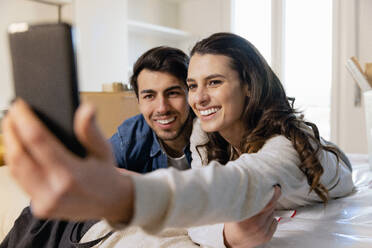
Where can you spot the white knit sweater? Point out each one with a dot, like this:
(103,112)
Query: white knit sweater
(240,189)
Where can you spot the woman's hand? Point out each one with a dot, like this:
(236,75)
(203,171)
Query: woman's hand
(60,184)
(254,231)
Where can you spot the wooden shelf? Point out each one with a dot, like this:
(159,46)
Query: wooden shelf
(54,2)
(144,28)
(177,1)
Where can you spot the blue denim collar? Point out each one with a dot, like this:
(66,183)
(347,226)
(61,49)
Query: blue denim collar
(155,147)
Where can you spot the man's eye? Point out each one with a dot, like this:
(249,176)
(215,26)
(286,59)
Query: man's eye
(148,97)
(173,93)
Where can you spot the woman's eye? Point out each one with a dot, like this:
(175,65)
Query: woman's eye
(192,86)
(215,82)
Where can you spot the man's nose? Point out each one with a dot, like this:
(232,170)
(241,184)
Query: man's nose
(163,106)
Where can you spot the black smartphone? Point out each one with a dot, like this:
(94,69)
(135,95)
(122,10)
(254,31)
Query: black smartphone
(45,76)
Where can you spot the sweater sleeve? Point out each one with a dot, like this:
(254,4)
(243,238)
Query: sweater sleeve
(215,193)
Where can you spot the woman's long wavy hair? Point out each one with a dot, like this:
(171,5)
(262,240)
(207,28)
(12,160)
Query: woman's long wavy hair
(267,111)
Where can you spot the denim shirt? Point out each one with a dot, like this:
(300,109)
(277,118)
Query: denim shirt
(137,148)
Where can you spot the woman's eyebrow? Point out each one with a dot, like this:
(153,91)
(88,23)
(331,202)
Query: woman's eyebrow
(207,77)
(214,76)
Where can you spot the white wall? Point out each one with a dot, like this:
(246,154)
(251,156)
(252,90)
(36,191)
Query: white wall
(365,31)
(344,46)
(102,47)
(353,37)
(102,26)
(204,17)
(17,11)
(159,12)
(156,12)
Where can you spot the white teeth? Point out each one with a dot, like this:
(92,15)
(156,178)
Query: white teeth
(208,111)
(167,121)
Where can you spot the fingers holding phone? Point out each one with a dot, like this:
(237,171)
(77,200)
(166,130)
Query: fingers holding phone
(60,183)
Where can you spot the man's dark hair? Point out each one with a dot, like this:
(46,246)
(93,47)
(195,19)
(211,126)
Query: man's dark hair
(163,59)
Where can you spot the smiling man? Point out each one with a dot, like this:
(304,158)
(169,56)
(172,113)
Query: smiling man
(159,136)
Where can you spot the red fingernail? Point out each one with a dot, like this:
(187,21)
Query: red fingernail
(294,214)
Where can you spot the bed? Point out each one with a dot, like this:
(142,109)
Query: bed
(344,222)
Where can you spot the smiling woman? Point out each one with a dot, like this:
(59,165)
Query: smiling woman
(252,106)
(217,96)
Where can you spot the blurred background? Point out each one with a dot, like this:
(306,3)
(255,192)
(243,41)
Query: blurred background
(307,43)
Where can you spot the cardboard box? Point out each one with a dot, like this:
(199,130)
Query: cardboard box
(112,108)
(113,87)
(368,72)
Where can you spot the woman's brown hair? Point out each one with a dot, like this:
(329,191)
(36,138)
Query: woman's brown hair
(268,111)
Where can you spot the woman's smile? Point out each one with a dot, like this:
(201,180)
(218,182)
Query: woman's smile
(206,114)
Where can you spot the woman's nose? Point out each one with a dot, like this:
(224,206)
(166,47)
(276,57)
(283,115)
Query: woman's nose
(201,97)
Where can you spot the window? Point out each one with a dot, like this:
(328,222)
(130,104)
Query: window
(308,58)
(252,20)
(305,48)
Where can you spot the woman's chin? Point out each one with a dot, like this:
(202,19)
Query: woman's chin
(209,127)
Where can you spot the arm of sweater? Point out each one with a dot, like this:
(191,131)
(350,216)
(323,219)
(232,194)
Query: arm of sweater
(215,193)
(336,177)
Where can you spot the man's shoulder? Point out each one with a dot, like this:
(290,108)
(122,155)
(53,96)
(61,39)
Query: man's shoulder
(133,143)
(136,123)
(134,129)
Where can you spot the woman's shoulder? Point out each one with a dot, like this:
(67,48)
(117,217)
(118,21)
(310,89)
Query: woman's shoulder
(277,142)
(198,136)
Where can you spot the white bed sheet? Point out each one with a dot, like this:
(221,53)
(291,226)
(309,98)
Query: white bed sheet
(344,222)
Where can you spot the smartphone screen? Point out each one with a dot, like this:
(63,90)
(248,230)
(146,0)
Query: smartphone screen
(44,73)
